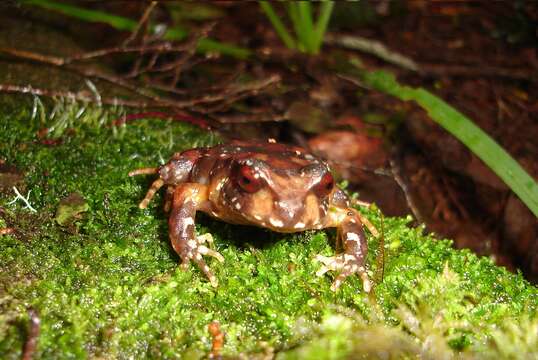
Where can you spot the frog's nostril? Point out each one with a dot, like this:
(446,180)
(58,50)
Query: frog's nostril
(288,210)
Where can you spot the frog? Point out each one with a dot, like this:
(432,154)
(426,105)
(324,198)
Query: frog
(280,187)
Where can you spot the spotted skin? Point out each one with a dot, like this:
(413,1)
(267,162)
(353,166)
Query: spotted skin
(270,185)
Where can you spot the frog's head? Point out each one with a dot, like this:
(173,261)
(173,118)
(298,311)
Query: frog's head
(282,192)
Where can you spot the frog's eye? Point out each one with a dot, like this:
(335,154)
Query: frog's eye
(325,185)
(248,179)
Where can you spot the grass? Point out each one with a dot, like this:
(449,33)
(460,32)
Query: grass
(308,33)
(122,23)
(465,130)
(109,285)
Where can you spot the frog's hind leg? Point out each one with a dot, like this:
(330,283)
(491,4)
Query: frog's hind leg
(187,199)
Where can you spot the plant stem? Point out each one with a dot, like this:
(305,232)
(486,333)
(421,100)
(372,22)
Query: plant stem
(325,12)
(277,24)
(307,35)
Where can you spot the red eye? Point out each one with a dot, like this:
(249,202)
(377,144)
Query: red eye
(325,185)
(248,179)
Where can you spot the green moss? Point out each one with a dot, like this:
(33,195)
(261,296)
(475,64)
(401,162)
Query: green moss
(111,287)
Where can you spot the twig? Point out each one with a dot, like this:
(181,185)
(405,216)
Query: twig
(177,64)
(161,115)
(372,47)
(252,88)
(479,70)
(58,61)
(354,81)
(118,81)
(218,87)
(144,48)
(380,258)
(79,96)
(141,23)
(24,199)
(249,118)
(7,231)
(33,334)
(227,96)
(396,174)
(378,49)
(29,55)
(217,341)
(87,72)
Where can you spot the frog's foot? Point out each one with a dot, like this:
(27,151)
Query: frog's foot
(346,265)
(195,249)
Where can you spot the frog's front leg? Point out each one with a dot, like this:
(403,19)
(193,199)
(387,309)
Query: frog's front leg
(350,235)
(187,199)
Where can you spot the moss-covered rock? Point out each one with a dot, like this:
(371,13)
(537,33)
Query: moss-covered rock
(111,286)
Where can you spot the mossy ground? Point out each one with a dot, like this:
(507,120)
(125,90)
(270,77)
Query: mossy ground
(109,285)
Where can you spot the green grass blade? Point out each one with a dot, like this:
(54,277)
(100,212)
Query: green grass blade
(325,12)
(209,45)
(307,35)
(277,24)
(293,13)
(126,24)
(280,29)
(117,22)
(480,143)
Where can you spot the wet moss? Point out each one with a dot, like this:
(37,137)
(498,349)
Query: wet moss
(111,286)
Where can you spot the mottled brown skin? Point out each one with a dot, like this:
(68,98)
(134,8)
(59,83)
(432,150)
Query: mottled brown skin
(275,186)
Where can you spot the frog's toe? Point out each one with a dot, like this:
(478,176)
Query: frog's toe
(204,250)
(204,238)
(345,265)
(195,251)
(205,269)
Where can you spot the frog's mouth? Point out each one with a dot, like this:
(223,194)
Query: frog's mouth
(284,212)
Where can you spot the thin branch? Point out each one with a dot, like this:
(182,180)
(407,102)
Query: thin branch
(7,231)
(378,49)
(380,258)
(87,72)
(142,23)
(33,334)
(161,115)
(252,88)
(79,96)
(479,70)
(396,173)
(58,61)
(372,47)
(249,118)
(24,199)
(144,48)
(29,55)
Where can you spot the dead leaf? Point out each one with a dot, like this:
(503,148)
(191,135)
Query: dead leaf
(70,209)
